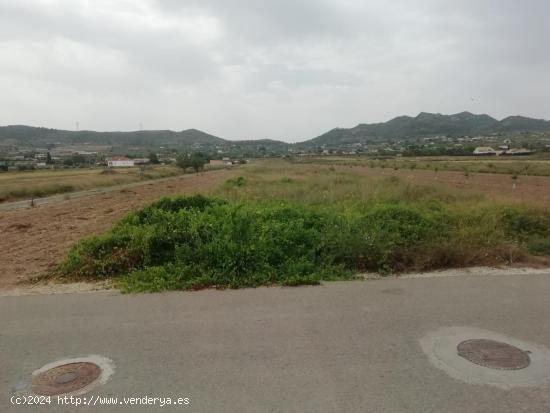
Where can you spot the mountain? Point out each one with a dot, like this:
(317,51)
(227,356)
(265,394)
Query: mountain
(429,124)
(400,128)
(31,136)
(523,124)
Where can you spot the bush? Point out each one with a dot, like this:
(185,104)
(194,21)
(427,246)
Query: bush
(204,242)
(26,167)
(194,242)
(539,245)
(520,224)
(236,182)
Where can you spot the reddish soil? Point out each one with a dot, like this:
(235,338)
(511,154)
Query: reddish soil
(34,240)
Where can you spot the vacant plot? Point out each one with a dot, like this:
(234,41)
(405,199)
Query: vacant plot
(300,224)
(518,166)
(34,240)
(35,184)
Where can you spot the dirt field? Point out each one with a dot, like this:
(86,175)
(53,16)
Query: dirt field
(33,240)
(531,166)
(528,189)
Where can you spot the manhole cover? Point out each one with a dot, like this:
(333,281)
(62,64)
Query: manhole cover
(66,378)
(494,354)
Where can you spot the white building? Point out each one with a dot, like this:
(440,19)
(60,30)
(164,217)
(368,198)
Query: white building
(485,151)
(119,162)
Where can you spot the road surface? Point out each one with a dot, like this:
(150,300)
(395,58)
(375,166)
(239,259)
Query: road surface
(341,347)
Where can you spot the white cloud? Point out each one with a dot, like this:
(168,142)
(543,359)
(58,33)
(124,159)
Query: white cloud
(273,68)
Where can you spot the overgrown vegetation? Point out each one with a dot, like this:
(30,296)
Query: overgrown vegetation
(308,225)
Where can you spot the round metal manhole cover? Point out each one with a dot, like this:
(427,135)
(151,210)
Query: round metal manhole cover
(66,378)
(494,354)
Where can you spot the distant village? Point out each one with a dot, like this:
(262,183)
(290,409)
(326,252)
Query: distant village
(90,155)
(439,145)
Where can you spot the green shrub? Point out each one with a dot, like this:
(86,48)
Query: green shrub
(210,241)
(236,182)
(232,245)
(520,223)
(539,245)
(194,242)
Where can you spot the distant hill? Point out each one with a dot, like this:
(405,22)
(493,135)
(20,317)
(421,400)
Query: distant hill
(429,124)
(400,128)
(32,136)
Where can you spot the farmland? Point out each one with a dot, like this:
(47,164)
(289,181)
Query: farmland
(35,184)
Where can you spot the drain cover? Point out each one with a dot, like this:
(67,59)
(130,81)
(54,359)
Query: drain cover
(494,354)
(65,378)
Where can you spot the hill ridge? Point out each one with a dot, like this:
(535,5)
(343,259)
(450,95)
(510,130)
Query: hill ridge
(424,124)
(427,124)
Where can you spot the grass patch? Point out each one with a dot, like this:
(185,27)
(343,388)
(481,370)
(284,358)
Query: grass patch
(325,225)
(530,166)
(36,192)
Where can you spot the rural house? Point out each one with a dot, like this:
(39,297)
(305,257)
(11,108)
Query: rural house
(119,162)
(484,151)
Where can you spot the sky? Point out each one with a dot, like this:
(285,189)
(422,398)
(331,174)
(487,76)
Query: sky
(279,69)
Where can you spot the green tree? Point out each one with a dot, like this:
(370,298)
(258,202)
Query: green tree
(192,160)
(49,160)
(79,160)
(153,158)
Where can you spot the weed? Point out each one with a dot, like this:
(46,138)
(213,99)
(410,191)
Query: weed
(236,182)
(260,230)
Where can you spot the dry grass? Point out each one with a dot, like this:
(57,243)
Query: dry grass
(468,164)
(21,185)
(325,184)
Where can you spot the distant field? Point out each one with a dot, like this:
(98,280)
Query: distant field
(35,184)
(528,166)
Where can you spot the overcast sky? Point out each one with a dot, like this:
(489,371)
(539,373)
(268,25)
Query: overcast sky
(282,69)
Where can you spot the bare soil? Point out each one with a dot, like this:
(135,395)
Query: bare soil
(32,241)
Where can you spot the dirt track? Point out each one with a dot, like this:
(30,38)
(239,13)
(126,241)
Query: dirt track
(33,240)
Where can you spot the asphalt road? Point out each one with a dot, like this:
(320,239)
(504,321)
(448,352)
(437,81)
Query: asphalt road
(341,347)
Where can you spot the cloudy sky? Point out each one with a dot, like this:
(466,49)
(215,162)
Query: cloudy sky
(283,69)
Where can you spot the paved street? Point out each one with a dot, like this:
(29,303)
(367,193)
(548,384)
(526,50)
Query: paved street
(341,347)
